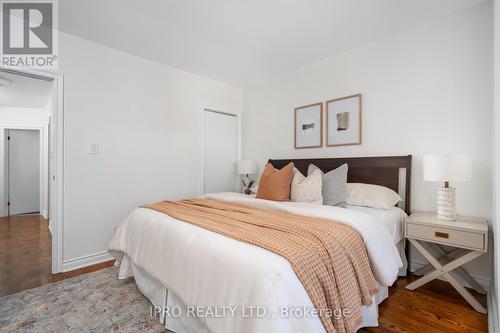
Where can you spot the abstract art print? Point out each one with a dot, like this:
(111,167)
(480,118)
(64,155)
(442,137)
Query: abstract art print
(309,126)
(343,121)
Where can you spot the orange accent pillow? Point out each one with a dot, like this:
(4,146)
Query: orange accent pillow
(275,184)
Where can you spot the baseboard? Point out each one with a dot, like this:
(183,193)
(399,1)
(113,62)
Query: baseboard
(44,214)
(84,261)
(485,283)
(50,228)
(493,324)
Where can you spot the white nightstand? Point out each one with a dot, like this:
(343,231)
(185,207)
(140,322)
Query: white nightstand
(469,237)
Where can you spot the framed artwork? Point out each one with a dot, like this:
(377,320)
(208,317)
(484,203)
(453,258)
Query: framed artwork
(343,121)
(309,126)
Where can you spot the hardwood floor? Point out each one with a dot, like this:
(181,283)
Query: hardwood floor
(435,307)
(25,253)
(432,308)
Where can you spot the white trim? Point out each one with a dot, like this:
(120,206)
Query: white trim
(493,325)
(484,283)
(57,175)
(201,188)
(85,261)
(221,112)
(57,214)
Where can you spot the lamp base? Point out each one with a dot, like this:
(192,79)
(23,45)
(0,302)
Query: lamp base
(446,204)
(247,184)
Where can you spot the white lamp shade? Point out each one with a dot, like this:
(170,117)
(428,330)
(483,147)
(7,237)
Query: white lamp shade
(447,168)
(247,167)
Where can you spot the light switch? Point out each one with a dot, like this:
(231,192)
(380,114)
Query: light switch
(94,148)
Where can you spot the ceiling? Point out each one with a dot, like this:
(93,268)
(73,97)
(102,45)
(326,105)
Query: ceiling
(24,92)
(242,42)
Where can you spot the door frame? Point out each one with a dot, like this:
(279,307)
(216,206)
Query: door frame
(238,145)
(56,156)
(43,190)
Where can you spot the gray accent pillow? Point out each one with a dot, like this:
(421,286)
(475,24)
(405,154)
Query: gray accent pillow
(334,185)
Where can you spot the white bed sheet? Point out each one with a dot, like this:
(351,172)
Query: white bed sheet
(202,267)
(393,219)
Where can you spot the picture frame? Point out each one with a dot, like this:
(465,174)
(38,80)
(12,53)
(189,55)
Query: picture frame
(308,122)
(344,121)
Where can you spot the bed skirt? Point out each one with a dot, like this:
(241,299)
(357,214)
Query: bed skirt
(161,298)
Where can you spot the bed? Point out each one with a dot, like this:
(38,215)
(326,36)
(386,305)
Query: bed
(182,268)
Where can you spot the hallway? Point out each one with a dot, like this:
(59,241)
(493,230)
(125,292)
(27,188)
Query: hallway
(25,253)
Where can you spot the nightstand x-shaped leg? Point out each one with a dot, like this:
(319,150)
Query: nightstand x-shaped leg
(443,271)
(446,258)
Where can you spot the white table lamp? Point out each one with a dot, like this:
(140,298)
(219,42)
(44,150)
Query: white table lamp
(446,169)
(247,167)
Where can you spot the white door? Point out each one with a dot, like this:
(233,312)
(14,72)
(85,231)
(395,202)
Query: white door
(24,171)
(220,153)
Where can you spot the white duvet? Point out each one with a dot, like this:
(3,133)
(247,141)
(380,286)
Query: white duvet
(205,268)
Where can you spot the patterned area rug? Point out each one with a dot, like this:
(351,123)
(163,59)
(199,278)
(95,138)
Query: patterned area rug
(93,302)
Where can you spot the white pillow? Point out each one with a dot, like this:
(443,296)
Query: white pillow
(307,189)
(369,195)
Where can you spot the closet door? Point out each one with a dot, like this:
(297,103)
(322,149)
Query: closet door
(220,152)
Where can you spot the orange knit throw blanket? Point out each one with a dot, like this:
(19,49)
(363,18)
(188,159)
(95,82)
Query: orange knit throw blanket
(329,258)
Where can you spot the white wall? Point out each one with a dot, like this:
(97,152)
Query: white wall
(147,120)
(425,90)
(36,118)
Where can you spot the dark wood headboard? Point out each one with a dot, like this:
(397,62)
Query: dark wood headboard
(378,170)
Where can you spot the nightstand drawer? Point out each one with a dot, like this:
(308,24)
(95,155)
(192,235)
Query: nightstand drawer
(446,236)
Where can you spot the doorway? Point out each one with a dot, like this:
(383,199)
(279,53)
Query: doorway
(50,138)
(24,161)
(25,241)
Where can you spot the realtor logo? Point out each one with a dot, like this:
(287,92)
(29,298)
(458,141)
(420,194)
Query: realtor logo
(29,34)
